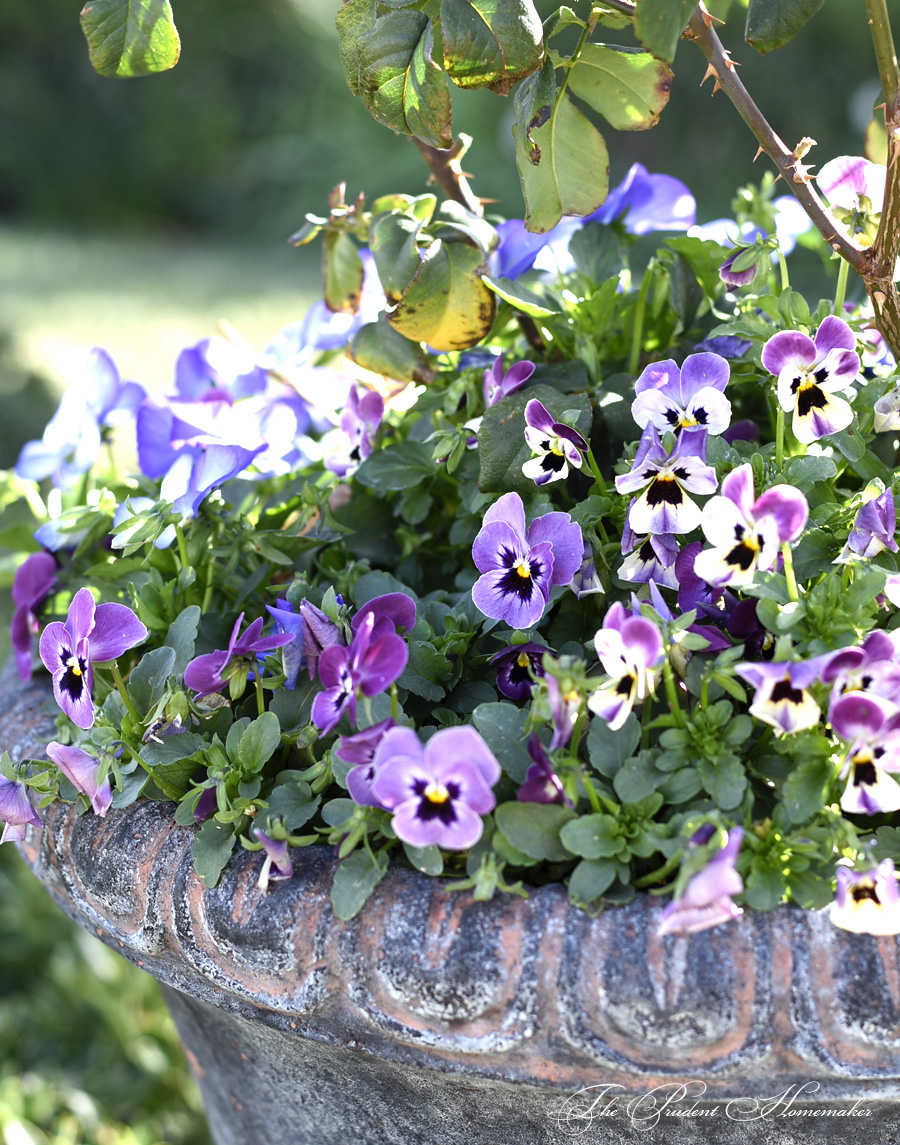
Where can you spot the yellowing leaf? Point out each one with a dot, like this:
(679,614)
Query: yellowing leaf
(447,305)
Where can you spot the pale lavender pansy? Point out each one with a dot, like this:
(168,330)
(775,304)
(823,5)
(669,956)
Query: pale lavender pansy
(438,793)
(848,178)
(360,422)
(519,566)
(82,769)
(218,365)
(746,532)
(16,812)
(498,384)
(707,899)
(689,397)
(556,445)
(781,697)
(873,529)
(631,652)
(541,783)
(871,727)
(810,372)
(206,674)
(33,582)
(277,864)
(92,633)
(359,750)
(867,902)
(666,480)
(652,558)
(370,664)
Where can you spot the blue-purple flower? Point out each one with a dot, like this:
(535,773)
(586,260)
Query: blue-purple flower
(16,812)
(218,364)
(438,793)
(556,445)
(359,749)
(518,566)
(517,667)
(371,664)
(746,533)
(781,697)
(631,653)
(498,384)
(867,902)
(33,581)
(810,373)
(207,673)
(687,398)
(871,727)
(666,480)
(277,865)
(541,784)
(82,771)
(360,422)
(707,900)
(873,529)
(93,633)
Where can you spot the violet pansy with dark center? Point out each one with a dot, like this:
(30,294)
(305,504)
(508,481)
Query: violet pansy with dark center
(871,726)
(781,698)
(666,479)
(691,397)
(631,652)
(556,445)
(867,902)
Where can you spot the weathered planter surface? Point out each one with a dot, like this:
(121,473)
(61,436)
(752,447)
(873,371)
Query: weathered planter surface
(432,1018)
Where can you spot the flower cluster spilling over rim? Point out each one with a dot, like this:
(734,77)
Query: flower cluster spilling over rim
(610,599)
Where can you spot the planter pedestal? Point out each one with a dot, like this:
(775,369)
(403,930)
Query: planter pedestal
(431,1018)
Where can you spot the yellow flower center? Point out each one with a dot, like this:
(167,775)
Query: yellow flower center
(436,793)
(73,664)
(523,660)
(523,568)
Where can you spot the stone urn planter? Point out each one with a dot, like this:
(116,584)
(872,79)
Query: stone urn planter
(432,1018)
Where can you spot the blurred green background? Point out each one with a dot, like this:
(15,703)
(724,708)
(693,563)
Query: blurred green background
(135,214)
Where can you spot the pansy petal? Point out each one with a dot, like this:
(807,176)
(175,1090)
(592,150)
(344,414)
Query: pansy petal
(701,370)
(834,334)
(788,350)
(466,744)
(116,629)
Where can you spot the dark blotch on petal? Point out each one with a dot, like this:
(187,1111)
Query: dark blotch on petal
(864,773)
(785,690)
(665,490)
(742,556)
(809,399)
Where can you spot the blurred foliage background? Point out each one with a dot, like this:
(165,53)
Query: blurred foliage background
(135,214)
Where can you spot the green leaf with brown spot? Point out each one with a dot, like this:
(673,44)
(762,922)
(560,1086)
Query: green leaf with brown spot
(397,78)
(628,87)
(658,25)
(447,304)
(490,43)
(771,23)
(129,38)
(563,163)
(353,20)
(344,272)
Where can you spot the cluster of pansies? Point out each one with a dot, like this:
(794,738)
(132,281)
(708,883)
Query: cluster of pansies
(616,602)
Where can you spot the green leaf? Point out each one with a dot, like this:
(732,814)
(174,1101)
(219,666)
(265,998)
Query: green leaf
(428,860)
(807,472)
(534,828)
(181,636)
(344,272)
(354,19)
(596,251)
(628,87)
(427,672)
(638,778)
(590,879)
(378,347)
(148,680)
(392,241)
(447,304)
(502,727)
(771,23)
(562,158)
(519,297)
(502,449)
(355,879)
(398,80)
(814,553)
(490,43)
(292,802)
(592,836)
(211,851)
(130,37)
(724,779)
(396,467)
(806,788)
(765,886)
(658,25)
(608,750)
(258,742)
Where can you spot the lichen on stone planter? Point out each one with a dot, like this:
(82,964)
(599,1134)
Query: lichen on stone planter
(435,1018)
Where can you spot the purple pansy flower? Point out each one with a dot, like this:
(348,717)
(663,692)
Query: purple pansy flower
(359,749)
(438,793)
(557,445)
(520,567)
(781,698)
(867,902)
(564,710)
(725,345)
(871,727)
(205,674)
(218,364)
(843,180)
(687,398)
(360,422)
(92,633)
(277,865)
(541,784)
(371,664)
(291,623)
(81,770)
(16,812)
(319,632)
(73,436)
(746,533)
(666,479)
(516,667)
(631,651)
(393,612)
(873,529)
(651,558)
(745,274)
(707,900)
(33,581)
(498,385)
(871,667)
(586,581)
(810,372)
